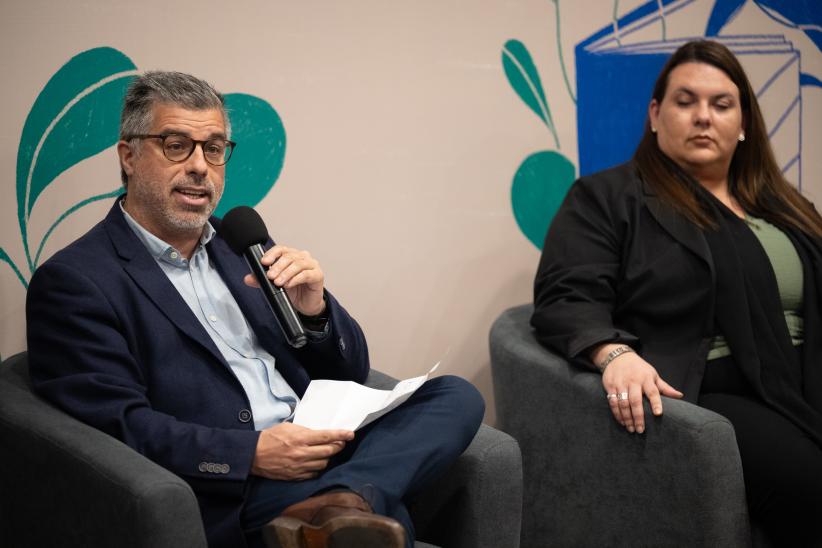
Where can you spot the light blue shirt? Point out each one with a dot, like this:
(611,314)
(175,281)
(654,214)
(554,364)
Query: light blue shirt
(271,398)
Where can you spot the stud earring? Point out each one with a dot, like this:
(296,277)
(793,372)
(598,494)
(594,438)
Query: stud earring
(653,129)
(741,136)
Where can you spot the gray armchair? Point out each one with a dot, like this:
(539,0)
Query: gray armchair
(587,482)
(63,483)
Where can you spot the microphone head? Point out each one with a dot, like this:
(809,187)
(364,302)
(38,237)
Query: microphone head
(242,227)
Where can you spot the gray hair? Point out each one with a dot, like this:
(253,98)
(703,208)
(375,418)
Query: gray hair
(175,88)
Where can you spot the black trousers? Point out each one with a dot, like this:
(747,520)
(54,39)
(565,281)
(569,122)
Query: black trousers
(782,466)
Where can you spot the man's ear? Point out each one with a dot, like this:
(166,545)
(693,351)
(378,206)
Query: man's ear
(127,157)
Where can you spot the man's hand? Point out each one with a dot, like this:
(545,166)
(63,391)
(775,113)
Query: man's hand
(629,374)
(299,273)
(290,452)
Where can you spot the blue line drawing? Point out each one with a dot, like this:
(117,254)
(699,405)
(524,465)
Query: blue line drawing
(611,107)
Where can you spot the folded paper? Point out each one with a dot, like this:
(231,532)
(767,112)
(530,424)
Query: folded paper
(348,405)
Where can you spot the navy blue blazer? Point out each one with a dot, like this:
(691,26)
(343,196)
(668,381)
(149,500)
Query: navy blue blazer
(113,343)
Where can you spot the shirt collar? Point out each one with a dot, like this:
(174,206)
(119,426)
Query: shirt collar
(159,249)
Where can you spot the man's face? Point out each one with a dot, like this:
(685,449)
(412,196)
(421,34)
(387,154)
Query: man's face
(173,200)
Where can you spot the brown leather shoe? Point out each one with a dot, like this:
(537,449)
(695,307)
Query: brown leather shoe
(333,520)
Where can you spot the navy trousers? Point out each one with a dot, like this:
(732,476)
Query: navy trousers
(388,461)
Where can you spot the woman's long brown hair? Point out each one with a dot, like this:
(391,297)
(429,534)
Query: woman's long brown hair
(754,178)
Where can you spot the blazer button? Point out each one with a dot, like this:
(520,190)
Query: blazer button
(225,469)
(202,467)
(245,415)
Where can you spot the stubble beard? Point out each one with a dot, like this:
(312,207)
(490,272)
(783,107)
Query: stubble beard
(160,204)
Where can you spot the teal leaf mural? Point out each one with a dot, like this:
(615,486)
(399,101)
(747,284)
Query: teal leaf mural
(524,78)
(72,209)
(539,187)
(260,153)
(75,117)
(543,178)
(6,259)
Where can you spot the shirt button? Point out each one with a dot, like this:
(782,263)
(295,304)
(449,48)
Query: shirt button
(245,415)
(173,255)
(213,318)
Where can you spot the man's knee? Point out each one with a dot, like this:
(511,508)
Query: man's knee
(460,395)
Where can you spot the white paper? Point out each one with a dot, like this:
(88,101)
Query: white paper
(346,405)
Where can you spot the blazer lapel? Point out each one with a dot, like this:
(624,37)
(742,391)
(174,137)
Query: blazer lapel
(147,274)
(683,231)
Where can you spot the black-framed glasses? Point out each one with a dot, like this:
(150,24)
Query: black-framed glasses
(178,148)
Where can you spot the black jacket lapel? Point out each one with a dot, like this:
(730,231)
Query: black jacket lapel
(683,231)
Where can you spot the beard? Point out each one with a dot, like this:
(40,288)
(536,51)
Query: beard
(159,204)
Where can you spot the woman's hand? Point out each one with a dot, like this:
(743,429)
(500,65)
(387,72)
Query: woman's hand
(626,379)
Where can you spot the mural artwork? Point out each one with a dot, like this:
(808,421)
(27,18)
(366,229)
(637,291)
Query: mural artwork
(77,115)
(615,71)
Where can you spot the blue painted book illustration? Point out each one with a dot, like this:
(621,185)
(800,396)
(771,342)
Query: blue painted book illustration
(616,68)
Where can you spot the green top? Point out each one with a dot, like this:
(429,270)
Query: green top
(788,269)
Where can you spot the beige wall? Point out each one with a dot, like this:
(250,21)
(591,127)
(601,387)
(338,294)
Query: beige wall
(403,138)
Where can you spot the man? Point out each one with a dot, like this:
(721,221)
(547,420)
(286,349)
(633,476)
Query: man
(151,329)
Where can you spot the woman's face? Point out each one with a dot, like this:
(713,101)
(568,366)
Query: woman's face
(699,120)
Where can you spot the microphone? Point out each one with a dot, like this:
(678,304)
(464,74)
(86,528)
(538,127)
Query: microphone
(244,232)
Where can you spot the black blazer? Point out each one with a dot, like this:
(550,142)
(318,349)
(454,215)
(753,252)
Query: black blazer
(619,265)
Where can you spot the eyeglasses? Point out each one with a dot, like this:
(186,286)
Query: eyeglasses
(178,148)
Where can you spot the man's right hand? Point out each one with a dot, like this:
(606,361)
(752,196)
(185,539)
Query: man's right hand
(290,452)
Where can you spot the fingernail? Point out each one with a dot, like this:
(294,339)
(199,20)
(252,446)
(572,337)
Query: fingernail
(640,429)
(657,410)
(631,429)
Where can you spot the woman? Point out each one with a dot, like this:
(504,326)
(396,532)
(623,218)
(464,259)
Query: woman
(695,272)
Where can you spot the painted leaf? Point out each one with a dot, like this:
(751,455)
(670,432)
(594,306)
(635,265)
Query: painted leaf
(66,98)
(75,116)
(538,190)
(6,259)
(260,153)
(90,126)
(524,78)
(723,12)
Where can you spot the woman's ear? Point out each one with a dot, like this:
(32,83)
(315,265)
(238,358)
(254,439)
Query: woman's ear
(653,114)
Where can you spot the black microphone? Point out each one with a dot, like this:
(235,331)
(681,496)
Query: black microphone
(244,232)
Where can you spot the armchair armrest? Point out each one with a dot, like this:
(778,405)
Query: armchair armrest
(587,480)
(64,483)
(478,504)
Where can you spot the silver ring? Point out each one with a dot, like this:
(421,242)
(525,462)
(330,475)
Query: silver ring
(623,396)
(611,397)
